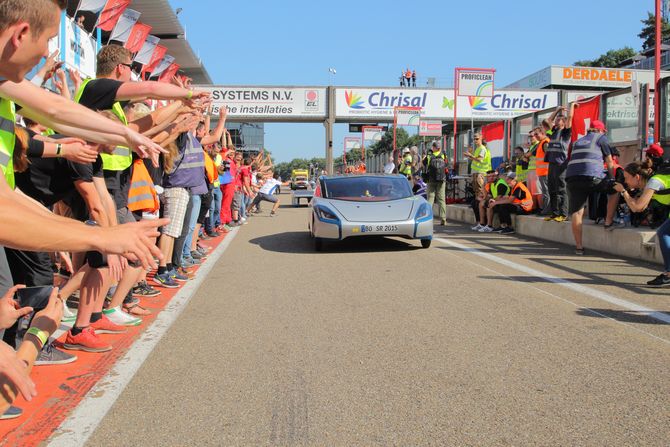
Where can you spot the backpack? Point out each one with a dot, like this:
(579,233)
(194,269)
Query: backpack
(436,168)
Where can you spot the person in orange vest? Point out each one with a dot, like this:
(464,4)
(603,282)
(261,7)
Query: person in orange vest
(520,201)
(538,169)
(408,77)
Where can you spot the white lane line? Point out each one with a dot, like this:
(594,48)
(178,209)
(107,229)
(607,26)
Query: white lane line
(83,421)
(603,296)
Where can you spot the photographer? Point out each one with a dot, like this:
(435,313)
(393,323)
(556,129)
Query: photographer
(640,175)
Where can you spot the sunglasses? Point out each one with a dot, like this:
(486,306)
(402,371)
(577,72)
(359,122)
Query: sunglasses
(126,65)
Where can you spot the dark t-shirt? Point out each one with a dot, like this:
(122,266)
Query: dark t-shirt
(49,180)
(100,94)
(560,139)
(519,194)
(502,189)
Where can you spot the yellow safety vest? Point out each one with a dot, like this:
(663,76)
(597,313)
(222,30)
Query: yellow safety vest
(521,173)
(406,169)
(7,139)
(494,188)
(217,162)
(481,166)
(121,157)
(663,199)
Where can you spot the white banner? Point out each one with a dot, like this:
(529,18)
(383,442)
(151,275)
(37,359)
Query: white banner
(474,82)
(280,103)
(164,65)
(91,5)
(372,133)
(79,49)
(144,55)
(407,117)
(430,128)
(121,31)
(377,104)
(352,143)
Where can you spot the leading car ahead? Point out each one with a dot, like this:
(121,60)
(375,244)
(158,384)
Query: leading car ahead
(368,205)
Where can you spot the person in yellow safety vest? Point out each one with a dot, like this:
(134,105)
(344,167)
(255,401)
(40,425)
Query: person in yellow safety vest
(521,164)
(481,202)
(405,166)
(481,162)
(640,176)
(519,201)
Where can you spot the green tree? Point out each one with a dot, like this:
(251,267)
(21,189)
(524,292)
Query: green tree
(648,33)
(610,59)
(403,139)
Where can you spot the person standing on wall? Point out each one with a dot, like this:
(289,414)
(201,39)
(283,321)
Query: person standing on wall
(556,154)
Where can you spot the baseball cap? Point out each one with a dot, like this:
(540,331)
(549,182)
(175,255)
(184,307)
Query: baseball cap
(598,125)
(405,151)
(654,150)
(511,175)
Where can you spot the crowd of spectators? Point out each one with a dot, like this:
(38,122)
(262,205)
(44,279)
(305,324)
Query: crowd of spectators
(110,185)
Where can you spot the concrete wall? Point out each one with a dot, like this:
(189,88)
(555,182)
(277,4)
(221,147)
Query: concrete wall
(637,243)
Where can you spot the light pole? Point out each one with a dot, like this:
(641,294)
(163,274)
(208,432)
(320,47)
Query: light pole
(332,72)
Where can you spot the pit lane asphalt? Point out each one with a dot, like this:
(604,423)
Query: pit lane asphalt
(383,343)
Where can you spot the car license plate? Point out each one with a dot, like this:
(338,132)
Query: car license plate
(379,228)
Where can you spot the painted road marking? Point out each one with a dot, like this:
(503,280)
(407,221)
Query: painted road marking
(603,296)
(83,421)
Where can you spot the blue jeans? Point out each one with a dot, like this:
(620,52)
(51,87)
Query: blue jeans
(245,203)
(192,220)
(214,218)
(663,234)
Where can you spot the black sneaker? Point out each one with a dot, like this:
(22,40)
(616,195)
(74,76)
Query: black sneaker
(143,290)
(213,234)
(49,355)
(507,230)
(11,413)
(661,280)
(497,230)
(579,251)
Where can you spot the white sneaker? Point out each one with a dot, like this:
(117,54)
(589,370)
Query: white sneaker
(118,316)
(485,229)
(68,315)
(476,227)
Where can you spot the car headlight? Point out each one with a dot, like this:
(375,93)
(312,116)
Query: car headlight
(424,212)
(325,214)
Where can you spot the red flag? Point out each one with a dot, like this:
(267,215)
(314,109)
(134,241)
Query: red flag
(585,113)
(167,75)
(138,35)
(494,135)
(111,14)
(156,58)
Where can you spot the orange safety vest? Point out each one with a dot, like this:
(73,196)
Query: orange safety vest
(408,74)
(527,202)
(541,166)
(210,169)
(142,195)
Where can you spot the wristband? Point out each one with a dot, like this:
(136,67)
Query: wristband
(190,94)
(42,336)
(59,149)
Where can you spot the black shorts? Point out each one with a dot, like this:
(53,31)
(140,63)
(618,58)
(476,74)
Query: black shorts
(579,189)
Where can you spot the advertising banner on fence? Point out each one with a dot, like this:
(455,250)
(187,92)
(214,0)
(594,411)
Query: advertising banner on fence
(407,116)
(352,143)
(430,128)
(280,103)
(377,104)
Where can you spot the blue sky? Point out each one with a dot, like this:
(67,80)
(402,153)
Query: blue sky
(261,42)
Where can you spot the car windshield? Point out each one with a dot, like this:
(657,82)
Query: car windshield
(367,189)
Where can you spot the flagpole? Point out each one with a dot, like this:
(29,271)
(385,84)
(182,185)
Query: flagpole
(77,10)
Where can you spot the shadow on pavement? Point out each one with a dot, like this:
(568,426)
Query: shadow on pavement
(625,316)
(300,242)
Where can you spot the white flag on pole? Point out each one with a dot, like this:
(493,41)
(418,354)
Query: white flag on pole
(144,55)
(121,31)
(92,5)
(164,65)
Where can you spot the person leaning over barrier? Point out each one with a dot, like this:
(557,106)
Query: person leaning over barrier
(641,176)
(481,162)
(585,175)
(520,201)
(435,166)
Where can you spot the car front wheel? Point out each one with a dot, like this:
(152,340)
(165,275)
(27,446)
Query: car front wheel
(425,243)
(318,244)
